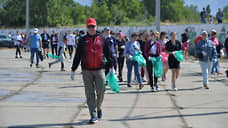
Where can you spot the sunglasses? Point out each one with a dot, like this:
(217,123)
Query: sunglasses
(91,26)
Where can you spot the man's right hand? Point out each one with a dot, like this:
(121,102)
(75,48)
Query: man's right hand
(130,57)
(204,53)
(72,75)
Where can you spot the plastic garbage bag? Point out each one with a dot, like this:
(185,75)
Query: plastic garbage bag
(140,59)
(157,66)
(164,56)
(112,82)
(179,56)
(53,56)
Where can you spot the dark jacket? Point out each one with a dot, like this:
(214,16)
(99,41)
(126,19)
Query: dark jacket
(91,52)
(56,38)
(148,46)
(43,40)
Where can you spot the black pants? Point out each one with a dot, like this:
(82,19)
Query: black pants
(219,21)
(70,49)
(120,66)
(18,51)
(54,49)
(152,79)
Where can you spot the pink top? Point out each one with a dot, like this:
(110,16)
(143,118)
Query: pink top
(215,41)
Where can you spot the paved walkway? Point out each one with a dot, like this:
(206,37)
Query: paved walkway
(44,97)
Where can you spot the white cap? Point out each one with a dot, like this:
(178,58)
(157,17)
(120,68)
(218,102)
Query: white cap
(213,30)
(203,32)
(35,30)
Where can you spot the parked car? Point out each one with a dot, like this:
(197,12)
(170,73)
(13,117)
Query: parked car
(6,41)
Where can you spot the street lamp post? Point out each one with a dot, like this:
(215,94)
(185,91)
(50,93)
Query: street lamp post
(27,17)
(158,15)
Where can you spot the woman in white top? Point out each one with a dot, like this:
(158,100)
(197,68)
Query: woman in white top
(17,41)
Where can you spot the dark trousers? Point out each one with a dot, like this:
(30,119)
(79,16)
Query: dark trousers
(120,66)
(152,79)
(54,49)
(219,21)
(70,49)
(18,51)
(114,58)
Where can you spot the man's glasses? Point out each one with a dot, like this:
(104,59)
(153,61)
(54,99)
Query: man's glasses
(91,26)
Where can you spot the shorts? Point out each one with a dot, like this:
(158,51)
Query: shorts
(45,46)
(173,64)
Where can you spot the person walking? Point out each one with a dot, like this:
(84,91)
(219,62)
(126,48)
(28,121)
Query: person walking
(54,42)
(35,44)
(142,41)
(206,52)
(215,62)
(17,42)
(171,47)
(70,43)
(121,47)
(226,45)
(219,16)
(203,16)
(113,46)
(61,49)
(91,51)
(45,42)
(165,56)
(131,48)
(185,45)
(152,49)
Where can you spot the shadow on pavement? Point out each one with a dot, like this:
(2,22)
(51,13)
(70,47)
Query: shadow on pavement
(172,116)
(68,125)
(140,91)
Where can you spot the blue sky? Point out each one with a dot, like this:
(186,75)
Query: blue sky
(215,4)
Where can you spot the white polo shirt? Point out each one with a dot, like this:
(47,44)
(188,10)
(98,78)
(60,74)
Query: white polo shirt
(70,39)
(16,38)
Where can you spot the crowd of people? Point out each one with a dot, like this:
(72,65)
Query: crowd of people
(105,52)
(204,14)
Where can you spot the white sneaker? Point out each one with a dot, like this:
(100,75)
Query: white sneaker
(157,88)
(174,88)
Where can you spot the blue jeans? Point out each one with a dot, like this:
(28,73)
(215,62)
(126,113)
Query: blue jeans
(203,21)
(33,51)
(215,66)
(130,64)
(205,67)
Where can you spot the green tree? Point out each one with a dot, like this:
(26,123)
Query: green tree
(208,9)
(101,14)
(56,13)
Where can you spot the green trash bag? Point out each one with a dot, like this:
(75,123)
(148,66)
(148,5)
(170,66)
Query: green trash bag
(140,59)
(53,56)
(157,66)
(179,56)
(112,82)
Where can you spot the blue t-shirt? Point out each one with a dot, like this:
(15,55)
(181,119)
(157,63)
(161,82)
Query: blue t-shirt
(112,44)
(35,40)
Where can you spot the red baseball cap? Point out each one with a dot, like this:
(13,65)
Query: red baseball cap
(91,21)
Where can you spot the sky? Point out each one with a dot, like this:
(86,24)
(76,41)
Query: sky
(215,4)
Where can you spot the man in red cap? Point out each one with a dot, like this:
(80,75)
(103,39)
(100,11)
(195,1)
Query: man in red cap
(91,51)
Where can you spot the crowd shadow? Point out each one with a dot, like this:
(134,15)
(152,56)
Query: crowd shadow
(171,116)
(68,125)
(148,91)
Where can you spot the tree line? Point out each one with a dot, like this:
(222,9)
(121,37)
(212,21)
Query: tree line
(56,13)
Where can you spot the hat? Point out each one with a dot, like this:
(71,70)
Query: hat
(213,30)
(106,28)
(91,21)
(35,30)
(203,32)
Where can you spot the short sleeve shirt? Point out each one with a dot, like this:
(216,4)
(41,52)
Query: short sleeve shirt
(35,41)
(171,48)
